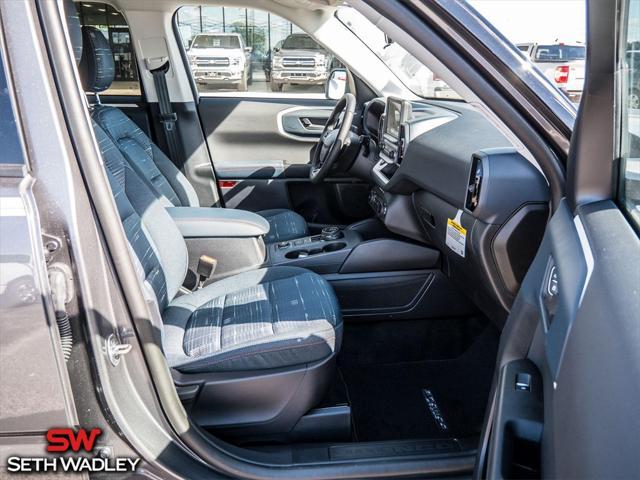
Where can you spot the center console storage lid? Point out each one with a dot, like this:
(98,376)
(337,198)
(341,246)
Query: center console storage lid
(206,222)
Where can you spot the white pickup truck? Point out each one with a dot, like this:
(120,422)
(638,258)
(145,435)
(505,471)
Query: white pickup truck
(562,63)
(299,60)
(221,60)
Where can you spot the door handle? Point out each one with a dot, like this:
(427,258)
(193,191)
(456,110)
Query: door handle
(309,125)
(518,422)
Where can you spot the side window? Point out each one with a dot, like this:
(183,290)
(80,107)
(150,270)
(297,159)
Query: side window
(12,153)
(630,108)
(243,49)
(115,29)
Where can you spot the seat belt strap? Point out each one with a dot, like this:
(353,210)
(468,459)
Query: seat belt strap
(169,119)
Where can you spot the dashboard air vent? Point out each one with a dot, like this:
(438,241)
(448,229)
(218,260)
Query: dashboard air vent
(475,184)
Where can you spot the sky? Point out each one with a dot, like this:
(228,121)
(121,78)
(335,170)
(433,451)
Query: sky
(634,23)
(537,21)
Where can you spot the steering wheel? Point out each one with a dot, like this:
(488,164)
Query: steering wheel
(333,139)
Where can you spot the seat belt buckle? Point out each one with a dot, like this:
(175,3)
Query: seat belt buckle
(206,267)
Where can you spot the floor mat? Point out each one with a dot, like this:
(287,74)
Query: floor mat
(397,341)
(422,399)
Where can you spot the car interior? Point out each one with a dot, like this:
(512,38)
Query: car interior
(329,275)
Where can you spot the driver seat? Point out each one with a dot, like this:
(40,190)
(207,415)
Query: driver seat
(169,184)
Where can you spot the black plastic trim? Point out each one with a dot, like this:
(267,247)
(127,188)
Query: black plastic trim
(183,56)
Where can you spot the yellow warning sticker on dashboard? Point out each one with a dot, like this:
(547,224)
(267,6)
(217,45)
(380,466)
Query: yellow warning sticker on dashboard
(456,238)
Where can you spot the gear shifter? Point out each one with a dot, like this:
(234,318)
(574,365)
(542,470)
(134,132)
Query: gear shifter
(330,233)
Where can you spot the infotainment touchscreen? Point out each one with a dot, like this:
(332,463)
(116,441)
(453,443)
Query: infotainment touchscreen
(396,113)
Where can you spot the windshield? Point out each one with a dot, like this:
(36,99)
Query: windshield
(559,53)
(300,42)
(409,70)
(215,41)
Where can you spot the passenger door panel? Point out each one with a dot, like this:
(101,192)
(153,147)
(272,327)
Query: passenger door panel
(593,418)
(577,412)
(261,149)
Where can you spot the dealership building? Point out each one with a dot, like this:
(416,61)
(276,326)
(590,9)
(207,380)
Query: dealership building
(261,30)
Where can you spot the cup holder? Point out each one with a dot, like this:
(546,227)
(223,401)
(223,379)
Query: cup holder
(297,254)
(329,247)
(334,247)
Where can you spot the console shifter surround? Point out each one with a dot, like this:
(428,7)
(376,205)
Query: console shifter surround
(331,233)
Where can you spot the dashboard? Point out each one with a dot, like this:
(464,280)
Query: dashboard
(443,175)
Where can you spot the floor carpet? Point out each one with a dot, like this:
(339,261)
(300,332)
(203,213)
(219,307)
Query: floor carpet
(421,394)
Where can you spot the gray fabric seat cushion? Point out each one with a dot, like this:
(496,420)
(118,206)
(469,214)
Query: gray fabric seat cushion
(263,319)
(284,225)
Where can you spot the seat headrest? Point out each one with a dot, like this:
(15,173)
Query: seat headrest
(74,27)
(97,66)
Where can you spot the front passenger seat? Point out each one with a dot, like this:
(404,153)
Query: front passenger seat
(254,351)
(258,348)
(97,69)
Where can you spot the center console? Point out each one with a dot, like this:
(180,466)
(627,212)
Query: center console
(323,253)
(375,278)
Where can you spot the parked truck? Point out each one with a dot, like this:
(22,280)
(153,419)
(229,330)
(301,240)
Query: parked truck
(221,60)
(562,63)
(299,60)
